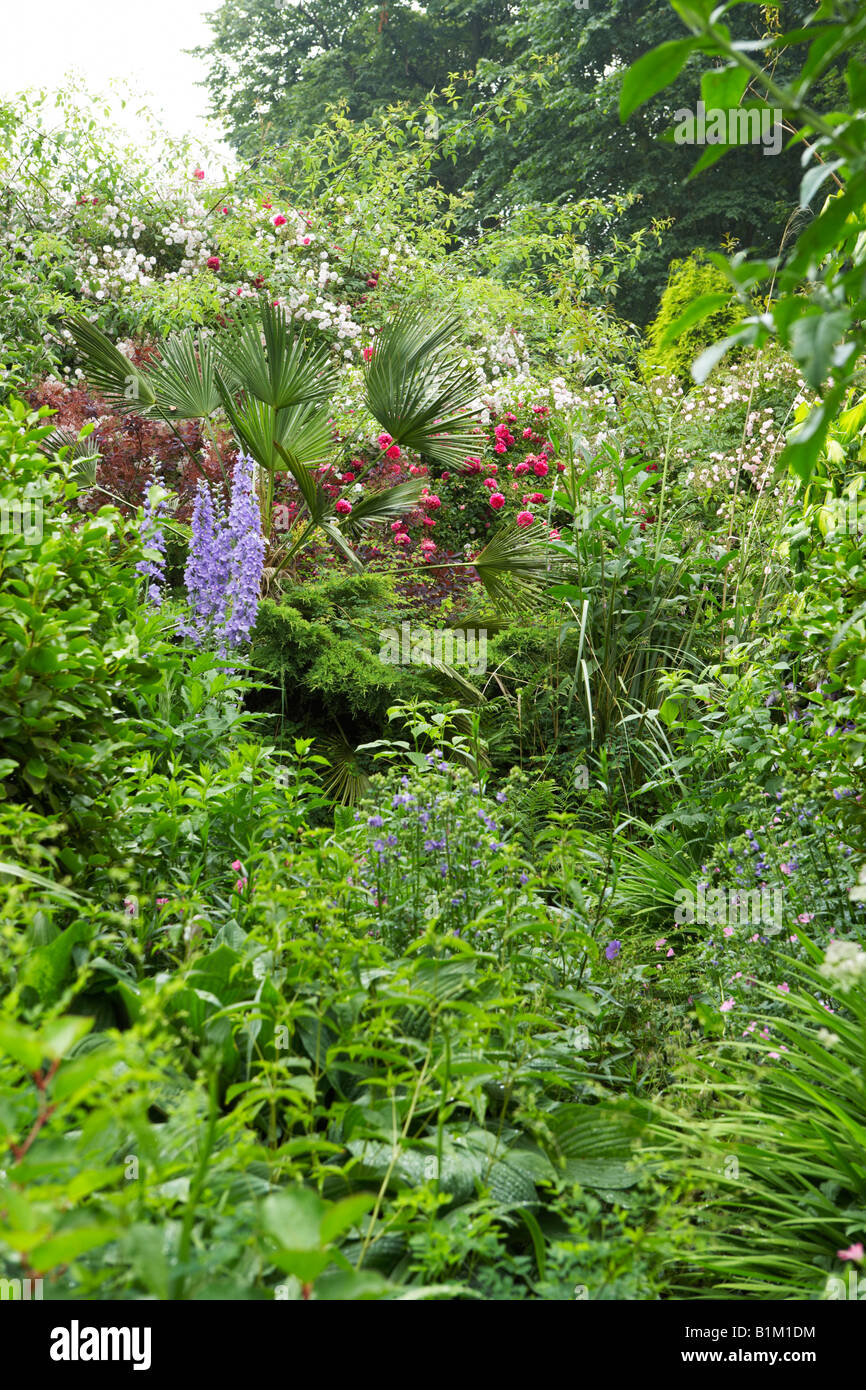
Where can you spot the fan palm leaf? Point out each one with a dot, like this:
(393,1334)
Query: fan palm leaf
(184,378)
(84,459)
(270,360)
(299,435)
(345,781)
(383,506)
(112,375)
(515,568)
(417,389)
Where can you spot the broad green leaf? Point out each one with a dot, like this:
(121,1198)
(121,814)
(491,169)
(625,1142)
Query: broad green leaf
(651,73)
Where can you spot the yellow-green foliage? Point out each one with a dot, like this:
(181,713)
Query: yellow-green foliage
(688,280)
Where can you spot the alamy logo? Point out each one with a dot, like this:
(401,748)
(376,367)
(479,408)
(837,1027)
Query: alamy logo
(843,514)
(759,125)
(20,1290)
(836,1288)
(21,516)
(421,646)
(76,1343)
(716,907)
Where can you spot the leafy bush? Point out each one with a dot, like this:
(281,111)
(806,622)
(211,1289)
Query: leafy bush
(75,639)
(689,280)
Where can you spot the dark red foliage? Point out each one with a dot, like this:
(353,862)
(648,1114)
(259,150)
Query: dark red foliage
(129,446)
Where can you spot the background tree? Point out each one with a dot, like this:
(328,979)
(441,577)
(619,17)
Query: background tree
(275,68)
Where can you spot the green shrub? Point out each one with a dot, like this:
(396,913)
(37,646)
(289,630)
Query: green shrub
(75,641)
(688,280)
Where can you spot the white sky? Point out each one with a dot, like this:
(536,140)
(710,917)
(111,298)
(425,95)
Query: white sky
(140,43)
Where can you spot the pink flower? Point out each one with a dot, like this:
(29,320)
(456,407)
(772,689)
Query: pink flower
(491,483)
(727,1006)
(804,918)
(520,468)
(499,447)
(343,507)
(540,468)
(161,902)
(428,547)
(213,263)
(131,905)
(854,1252)
(728,931)
(497,501)
(527,433)
(236,866)
(787,869)
(384,440)
(431,502)
(396,526)
(240,885)
(662,941)
(785,989)
(393,452)
(402,538)
(670,952)
(369,352)
(279,220)
(525,518)
(198,173)
(472,464)
(305,241)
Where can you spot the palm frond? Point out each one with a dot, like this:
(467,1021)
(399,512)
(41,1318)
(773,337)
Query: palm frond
(110,374)
(83,459)
(344,781)
(334,534)
(417,389)
(274,362)
(383,506)
(300,436)
(515,568)
(318,503)
(184,378)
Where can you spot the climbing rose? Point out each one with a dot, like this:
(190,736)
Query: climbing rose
(279,220)
(343,507)
(497,501)
(213,263)
(524,518)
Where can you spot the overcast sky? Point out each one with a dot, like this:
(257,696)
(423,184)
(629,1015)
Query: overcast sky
(141,42)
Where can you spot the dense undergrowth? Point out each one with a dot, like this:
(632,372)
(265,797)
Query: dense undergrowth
(431,742)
